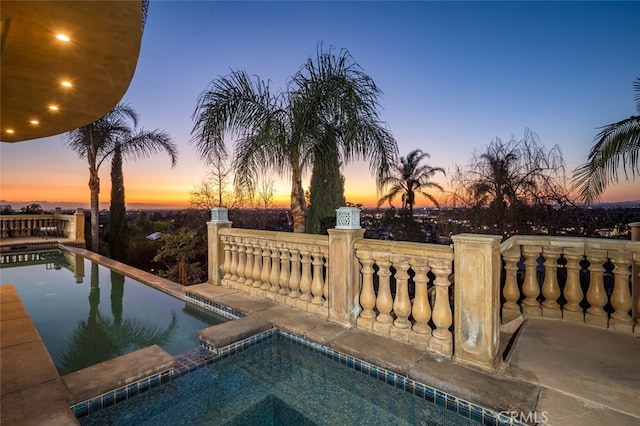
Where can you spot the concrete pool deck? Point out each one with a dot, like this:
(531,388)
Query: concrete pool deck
(31,391)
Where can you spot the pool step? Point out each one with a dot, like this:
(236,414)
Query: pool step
(229,332)
(116,373)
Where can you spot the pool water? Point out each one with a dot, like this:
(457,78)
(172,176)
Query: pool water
(276,382)
(85,313)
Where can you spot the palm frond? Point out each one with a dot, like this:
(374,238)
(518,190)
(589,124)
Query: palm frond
(143,144)
(617,145)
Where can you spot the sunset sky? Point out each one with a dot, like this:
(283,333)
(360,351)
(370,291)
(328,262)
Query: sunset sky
(454,76)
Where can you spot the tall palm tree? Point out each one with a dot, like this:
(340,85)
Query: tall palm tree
(330,106)
(137,145)
(409,178)
(616,142)
(97,143)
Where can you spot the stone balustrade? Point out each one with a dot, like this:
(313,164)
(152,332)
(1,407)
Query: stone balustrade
(43,225)
(288,268)
(445,299)
(584,280)
(405,293)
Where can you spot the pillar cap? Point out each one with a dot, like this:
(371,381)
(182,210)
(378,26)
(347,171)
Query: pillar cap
(219,214)
(348,218)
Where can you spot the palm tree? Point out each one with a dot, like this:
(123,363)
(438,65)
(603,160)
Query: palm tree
(137,145)
(409,178)
(617,141)
(97,142)
(330,106)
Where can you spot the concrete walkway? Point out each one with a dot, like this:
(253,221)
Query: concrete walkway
(586,375)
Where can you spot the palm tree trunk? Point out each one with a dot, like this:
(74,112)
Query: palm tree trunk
(298,207)
(94,186)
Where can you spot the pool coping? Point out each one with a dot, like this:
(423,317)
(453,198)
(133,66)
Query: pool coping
(39,397)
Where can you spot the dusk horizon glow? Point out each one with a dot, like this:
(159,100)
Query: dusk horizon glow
(454,76)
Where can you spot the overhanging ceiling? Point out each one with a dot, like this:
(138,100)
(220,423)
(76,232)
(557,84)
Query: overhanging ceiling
(97,63)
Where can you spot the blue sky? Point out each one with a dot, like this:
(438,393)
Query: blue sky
(454,76)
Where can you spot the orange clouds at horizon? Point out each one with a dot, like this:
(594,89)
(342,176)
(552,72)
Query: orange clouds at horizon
(180,198)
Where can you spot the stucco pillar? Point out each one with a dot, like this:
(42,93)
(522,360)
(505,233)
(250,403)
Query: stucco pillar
(477,266)
(635,279)
(78,235)
(344,269)
(219,220)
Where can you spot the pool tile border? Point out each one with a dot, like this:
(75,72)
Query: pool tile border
(221,310)
(205,355)
(452,403)
(93,405)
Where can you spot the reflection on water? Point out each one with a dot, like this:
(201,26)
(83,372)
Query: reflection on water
(81,326)
(100,338)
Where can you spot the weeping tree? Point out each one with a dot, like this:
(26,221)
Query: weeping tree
(507,181)
(330,105)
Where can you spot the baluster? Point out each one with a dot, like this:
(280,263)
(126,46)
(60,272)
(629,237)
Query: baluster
(384,301)
(234,260)
(257,265)
(550,287)
(442,340)
(283,281)
(572,310)
(511,292)
(227,258)
(317,284)
(325,286)
(636,283)
(621,296)
(294,279)
(596,295)
(531,287)
(266,267)
(401,303)
(421,311)
(305,280)
(274,278)
(242,260)
(248,266)
(367,293)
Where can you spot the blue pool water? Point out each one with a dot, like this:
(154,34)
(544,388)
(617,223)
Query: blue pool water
(279,382)
(86,313)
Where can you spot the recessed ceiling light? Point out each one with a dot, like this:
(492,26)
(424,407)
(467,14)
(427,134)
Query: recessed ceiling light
(10,131)
(34,122)
(66,83)
(63,37)
(53,107)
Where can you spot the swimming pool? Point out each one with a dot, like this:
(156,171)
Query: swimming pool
(281,379)
(85,313)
